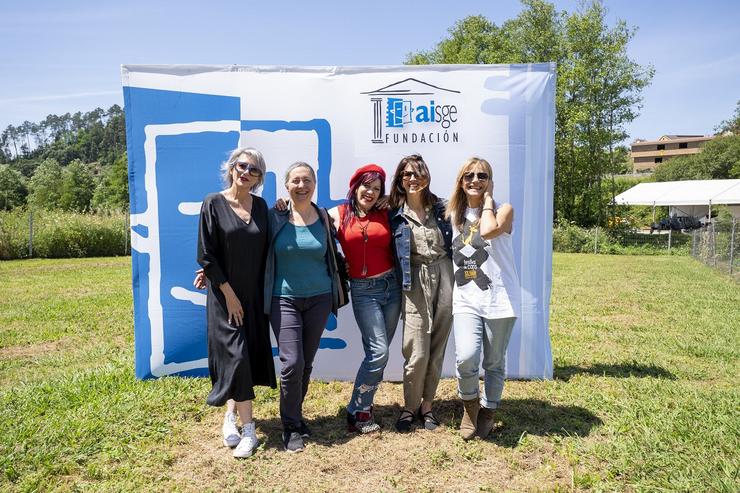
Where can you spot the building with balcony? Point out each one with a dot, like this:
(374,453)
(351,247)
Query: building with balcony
(646,155)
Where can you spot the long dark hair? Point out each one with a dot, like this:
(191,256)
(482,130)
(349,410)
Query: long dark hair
(352,208)
(398,193)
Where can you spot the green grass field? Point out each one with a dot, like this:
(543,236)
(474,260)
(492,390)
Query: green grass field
(645,397)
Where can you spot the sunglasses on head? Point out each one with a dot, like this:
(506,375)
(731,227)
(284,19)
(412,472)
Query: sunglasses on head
(480,175)
(245,167)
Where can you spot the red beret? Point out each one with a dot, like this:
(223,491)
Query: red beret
(368,168)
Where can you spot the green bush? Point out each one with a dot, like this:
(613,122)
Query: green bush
(62,234)
(568,237)
(13,234)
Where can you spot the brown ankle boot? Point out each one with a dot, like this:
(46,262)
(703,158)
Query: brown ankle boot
(485,422)
(469,419)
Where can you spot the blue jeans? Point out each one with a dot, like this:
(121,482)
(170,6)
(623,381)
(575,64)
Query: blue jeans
(472,333)
(377,307)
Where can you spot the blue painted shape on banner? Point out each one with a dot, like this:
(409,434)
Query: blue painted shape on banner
(331,323)
(154,106)
(158,107)
(187,170)
(140,230)
(332,343)
(142,328)
(269,188)
(323,171)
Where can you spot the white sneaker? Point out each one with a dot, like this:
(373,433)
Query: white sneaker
(248,442)
(230,430)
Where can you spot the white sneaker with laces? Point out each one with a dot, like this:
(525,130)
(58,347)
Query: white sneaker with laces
(230,430)
(248,442)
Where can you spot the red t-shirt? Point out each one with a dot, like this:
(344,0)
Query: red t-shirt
(366,243)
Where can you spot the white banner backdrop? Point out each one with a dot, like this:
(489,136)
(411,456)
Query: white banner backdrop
(181,122)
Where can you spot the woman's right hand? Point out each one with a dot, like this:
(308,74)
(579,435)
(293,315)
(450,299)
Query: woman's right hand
(234,306)
(281,205)
(200,279)
(383,203)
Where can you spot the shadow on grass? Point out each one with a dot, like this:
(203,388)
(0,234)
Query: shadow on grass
(615,370)
(537,417)
(331,429)
(515,418)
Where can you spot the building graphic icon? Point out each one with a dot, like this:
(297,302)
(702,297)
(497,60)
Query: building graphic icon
(398,110)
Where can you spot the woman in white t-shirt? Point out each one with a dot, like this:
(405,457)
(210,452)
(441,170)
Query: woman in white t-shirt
(485,300)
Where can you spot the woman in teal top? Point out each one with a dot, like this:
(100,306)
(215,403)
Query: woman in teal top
(300,267)
(299,294)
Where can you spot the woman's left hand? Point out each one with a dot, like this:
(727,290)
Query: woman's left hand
(488,195)
(281,205)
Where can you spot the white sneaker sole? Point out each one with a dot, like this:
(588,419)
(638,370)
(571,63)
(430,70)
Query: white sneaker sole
(231,443)
(243,454)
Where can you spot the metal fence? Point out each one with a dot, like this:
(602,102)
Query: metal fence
(717,246)
(630,241)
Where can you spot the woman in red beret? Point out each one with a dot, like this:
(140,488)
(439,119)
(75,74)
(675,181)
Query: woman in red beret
(364,232)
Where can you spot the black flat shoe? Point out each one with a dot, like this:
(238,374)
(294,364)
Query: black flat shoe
(430,422)
(404,422)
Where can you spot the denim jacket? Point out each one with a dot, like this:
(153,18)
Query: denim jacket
(277,220)
(402,238)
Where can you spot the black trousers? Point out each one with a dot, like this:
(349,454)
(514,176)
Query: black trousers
(297,324)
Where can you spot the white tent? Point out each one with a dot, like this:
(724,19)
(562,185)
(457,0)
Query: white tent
(689,195)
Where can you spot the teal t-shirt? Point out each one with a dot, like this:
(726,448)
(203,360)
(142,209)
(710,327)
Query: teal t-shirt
(300,269)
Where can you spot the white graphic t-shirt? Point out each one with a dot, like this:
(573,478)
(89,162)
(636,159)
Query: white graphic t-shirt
(486,281)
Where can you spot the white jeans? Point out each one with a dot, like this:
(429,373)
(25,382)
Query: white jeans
(472,333)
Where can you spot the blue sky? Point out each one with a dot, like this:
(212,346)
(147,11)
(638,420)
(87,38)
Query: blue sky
(60,57)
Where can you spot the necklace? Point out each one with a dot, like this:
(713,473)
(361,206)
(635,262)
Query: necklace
(363,230)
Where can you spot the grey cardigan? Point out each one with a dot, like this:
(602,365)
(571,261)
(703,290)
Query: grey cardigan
(277,220)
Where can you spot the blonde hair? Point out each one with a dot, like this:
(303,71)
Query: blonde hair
(458,200)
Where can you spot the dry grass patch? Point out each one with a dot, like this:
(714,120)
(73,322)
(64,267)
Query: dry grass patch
(29,351)
(386,461)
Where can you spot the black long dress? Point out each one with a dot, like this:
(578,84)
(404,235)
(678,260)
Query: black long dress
(231,250)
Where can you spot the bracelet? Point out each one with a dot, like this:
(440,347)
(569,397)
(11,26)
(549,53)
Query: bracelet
(488,209)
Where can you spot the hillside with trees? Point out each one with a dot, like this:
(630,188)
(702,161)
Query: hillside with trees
(73,162)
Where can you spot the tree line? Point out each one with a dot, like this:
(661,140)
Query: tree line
(598,91)
(78,162)
(73,162)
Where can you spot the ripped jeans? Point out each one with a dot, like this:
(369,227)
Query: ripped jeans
(376,304)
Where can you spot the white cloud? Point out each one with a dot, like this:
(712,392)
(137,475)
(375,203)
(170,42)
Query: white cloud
(55,97)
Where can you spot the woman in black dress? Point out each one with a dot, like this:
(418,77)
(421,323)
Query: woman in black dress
(233,239)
